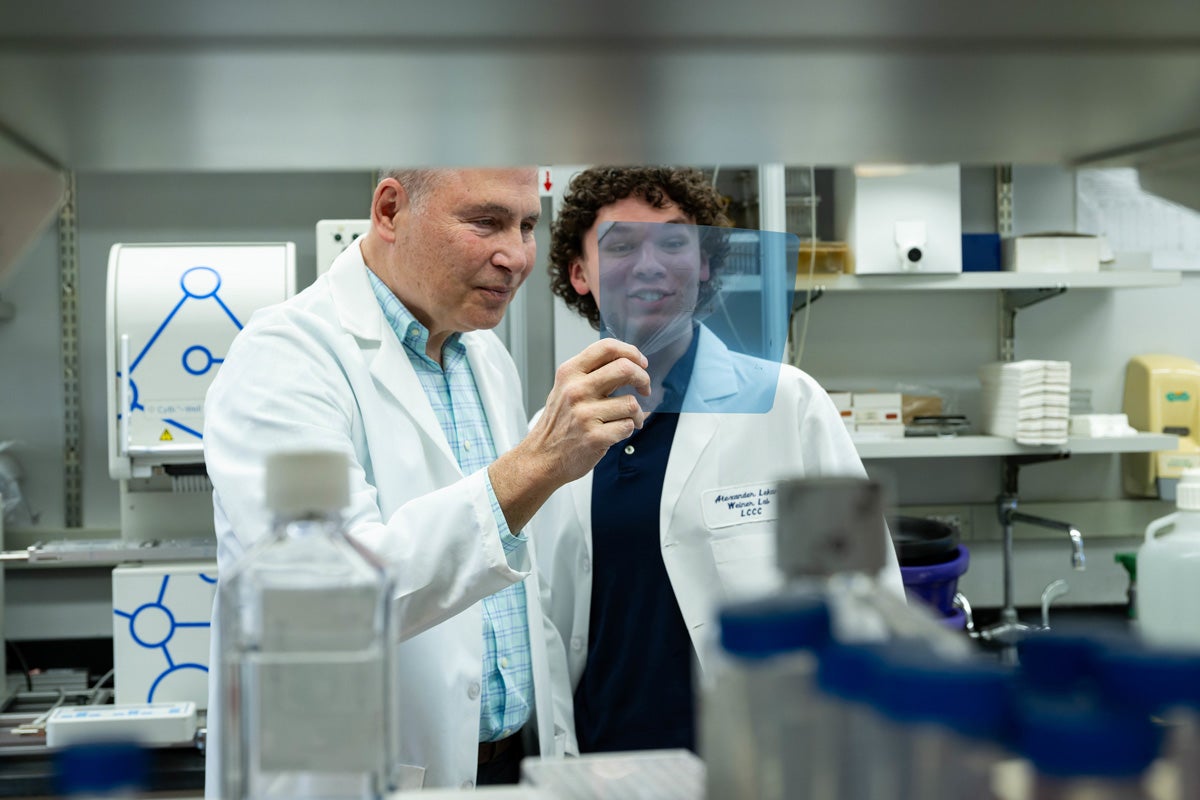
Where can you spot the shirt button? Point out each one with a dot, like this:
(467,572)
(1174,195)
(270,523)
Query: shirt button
(473,691)
(504,661)
(506,733)
(586,564)
(576,642)
(467,444)
(628,449)
(412,330)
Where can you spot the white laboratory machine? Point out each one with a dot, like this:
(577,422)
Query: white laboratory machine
(172,313)
(334,236)
(899,220)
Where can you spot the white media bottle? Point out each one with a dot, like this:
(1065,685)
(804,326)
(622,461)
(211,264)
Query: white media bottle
(307,641)
(1168,571)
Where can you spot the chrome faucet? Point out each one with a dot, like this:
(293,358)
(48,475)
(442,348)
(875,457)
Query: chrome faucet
(1010,629)
(1009,515)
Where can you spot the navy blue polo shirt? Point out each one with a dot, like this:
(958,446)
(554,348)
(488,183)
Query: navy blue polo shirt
(636,688)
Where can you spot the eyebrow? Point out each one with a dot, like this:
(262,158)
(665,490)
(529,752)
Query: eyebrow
(497,210)
(618,226)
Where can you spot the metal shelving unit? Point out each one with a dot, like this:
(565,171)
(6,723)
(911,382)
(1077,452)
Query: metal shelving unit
(989,281)
(983,446)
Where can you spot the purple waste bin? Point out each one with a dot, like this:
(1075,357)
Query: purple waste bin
(931,561)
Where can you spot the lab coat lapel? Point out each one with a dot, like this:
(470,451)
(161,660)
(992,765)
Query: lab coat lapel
(360,315)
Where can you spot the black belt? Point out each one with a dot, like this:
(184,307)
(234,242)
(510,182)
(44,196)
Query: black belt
(490,751)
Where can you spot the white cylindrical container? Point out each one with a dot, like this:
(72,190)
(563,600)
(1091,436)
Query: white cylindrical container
(306,642)
(1168,571)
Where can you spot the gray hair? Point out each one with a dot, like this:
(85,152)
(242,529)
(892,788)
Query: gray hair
(417,183)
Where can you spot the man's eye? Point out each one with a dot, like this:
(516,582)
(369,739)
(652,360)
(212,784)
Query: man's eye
(674,244)
(617,248)
(486,222)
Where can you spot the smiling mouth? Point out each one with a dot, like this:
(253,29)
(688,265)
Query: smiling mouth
(649,295)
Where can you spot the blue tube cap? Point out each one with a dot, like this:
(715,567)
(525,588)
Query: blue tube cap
(1068,739)
(971,697)
(1149,680)
(101,768)
(771,626)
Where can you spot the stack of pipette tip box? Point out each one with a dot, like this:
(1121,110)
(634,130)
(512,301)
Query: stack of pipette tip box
(1029,401)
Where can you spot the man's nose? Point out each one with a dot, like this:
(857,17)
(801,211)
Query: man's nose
(648,261)
(514,252)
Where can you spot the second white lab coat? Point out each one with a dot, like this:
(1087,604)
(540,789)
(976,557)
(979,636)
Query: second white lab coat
(711,556)
(324,370)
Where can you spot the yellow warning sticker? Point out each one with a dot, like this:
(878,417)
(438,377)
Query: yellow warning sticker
(166,436)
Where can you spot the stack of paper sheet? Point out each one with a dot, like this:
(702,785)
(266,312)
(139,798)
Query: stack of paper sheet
(1029,401)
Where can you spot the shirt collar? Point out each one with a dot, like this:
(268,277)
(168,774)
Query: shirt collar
(676,382)
(412,333)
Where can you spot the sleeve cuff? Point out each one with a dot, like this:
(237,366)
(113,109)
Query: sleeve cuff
(513,545)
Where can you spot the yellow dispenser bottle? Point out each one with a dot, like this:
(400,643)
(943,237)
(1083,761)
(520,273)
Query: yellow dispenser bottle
(1162,395)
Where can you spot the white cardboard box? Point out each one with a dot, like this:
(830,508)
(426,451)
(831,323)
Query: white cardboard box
(1052,252)
(161,626)
(889,400)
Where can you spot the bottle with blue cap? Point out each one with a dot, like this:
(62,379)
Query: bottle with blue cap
(306,639)
(846,677)
(943,725)
(760,718)
(1160,684)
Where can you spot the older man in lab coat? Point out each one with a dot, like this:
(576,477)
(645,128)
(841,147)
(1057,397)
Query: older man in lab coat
(389,358)
(646,546)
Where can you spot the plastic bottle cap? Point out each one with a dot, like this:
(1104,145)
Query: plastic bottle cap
(1054,662)
(306,481)
(763,628)
(848,671)
(970,697)
(1150,680)
(1187,493)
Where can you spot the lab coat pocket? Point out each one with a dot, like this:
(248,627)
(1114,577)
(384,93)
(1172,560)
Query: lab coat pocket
(409,777)
(745,562)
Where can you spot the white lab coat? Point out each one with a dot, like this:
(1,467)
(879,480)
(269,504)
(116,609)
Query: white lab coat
(325,370)
(710,556)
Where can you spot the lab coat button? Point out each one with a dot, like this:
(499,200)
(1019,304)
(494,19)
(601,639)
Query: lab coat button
(473,691)
(628,449)
(468,784)
(586,564)
(576,642)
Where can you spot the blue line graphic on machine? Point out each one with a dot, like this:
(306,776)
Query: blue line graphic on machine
(197,359)
(152,616)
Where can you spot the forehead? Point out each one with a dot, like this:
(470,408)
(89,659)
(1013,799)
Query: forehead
(636,209)
(514,189)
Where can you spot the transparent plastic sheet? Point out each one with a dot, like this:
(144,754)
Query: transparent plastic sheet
(717,299)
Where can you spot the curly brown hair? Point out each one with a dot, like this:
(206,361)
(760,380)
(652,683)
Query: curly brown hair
(595,188)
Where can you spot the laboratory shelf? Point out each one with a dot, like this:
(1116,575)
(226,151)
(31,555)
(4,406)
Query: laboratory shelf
(968,446)
(989,281)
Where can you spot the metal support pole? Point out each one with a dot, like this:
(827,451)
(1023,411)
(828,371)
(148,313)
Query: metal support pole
(68,287)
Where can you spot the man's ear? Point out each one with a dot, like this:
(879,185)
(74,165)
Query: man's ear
(388,202)
(578,276)
(705,273)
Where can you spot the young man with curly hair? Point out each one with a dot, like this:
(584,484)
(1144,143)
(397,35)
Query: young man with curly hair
(645,548)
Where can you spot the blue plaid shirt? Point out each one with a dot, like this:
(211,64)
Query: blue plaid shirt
(451,390)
